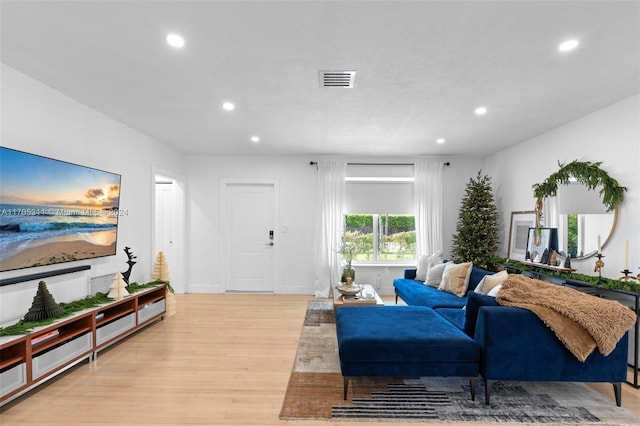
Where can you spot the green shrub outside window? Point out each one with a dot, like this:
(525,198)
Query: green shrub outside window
(382,237)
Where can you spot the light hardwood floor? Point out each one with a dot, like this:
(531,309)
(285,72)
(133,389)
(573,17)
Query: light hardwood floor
(222,359)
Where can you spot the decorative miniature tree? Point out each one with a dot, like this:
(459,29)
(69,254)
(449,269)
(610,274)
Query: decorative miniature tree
(161,272)
(118,287)
(476,237)
(44,306)
(160,268)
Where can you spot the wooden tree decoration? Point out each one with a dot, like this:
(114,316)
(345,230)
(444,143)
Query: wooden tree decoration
(160,268)
(161,272)
(43,306)
(118,287)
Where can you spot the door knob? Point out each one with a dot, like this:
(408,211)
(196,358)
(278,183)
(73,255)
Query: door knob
(269,243)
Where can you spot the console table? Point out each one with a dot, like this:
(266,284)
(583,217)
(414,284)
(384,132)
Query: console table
(29,360)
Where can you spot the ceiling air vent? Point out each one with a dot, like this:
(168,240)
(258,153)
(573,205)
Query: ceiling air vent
(340,79)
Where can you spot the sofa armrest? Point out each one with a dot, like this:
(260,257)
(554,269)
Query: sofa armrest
(516,345)
(410,273)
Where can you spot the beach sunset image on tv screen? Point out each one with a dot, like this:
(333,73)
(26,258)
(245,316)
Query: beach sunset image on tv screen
(52,211)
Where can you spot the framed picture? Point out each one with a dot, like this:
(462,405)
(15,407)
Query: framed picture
(519,233)
(548,241)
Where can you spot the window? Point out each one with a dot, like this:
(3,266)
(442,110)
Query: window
(379,215)
(572,235)
(382,237)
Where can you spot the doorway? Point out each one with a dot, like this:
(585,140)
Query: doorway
(168,232)
(249,224)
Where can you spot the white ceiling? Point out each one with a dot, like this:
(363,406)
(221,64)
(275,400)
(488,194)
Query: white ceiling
(422,67)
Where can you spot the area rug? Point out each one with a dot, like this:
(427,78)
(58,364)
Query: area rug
(315,391)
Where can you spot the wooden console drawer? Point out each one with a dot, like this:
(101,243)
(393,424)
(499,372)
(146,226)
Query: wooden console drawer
(61,355)
(13,378)
(115,328)
(145,313)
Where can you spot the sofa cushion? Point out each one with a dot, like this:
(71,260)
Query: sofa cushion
(434,274)
(425,263)
(415,293)
(477,274)
(488,282)
(494,291)
(474,302)
(455,279)
(375,334)
(454,315)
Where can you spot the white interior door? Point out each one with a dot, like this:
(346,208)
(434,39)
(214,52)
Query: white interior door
(165,219)
(168,226)
(250,229)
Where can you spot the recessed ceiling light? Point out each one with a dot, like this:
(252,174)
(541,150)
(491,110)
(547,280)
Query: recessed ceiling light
(175,40)
(440,140)
(255,139)
(481,110)
(568,45)
(228,106)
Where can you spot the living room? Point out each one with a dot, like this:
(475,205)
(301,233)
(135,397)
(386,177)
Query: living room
(64,123)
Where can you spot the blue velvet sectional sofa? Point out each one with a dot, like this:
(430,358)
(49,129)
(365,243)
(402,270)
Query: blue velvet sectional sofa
(509,344)
(415,293)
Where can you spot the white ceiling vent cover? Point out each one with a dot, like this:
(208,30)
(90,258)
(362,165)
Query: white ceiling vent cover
(340,79)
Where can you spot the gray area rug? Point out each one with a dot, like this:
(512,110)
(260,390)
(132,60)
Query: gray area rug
(424,400)
(446,399)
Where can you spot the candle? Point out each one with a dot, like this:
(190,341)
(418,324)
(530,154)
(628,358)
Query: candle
(626,255)
(599,246)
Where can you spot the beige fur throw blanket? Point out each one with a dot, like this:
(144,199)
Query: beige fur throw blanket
(581,321)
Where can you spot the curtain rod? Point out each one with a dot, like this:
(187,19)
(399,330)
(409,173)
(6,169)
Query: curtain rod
(313,163)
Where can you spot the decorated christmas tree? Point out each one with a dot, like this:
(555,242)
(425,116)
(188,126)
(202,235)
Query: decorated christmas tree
(118,287)
(43,306)
(476,237)
(161,272)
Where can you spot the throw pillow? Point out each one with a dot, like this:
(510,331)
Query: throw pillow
(455,278)
(474,302)
(488,282)
(434,275)
(423,266)
(425,262)
(494,291)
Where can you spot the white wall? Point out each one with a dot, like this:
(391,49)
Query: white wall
(610,135)
(294,251)
(40,120)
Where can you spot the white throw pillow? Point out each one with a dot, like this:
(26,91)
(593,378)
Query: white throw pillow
(434,275)
(423,266)
(488,282)
(425,262)
(494,291)
(455,279)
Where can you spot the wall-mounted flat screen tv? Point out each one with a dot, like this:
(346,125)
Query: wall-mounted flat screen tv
(52,211)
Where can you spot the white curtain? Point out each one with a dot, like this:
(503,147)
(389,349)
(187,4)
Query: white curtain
(330,225)
(550,212)
(551,219)
(427,197)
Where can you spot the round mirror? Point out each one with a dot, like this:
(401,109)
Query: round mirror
(584,225)
(581,235)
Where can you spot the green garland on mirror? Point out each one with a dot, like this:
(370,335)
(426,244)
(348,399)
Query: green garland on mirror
(589,174)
